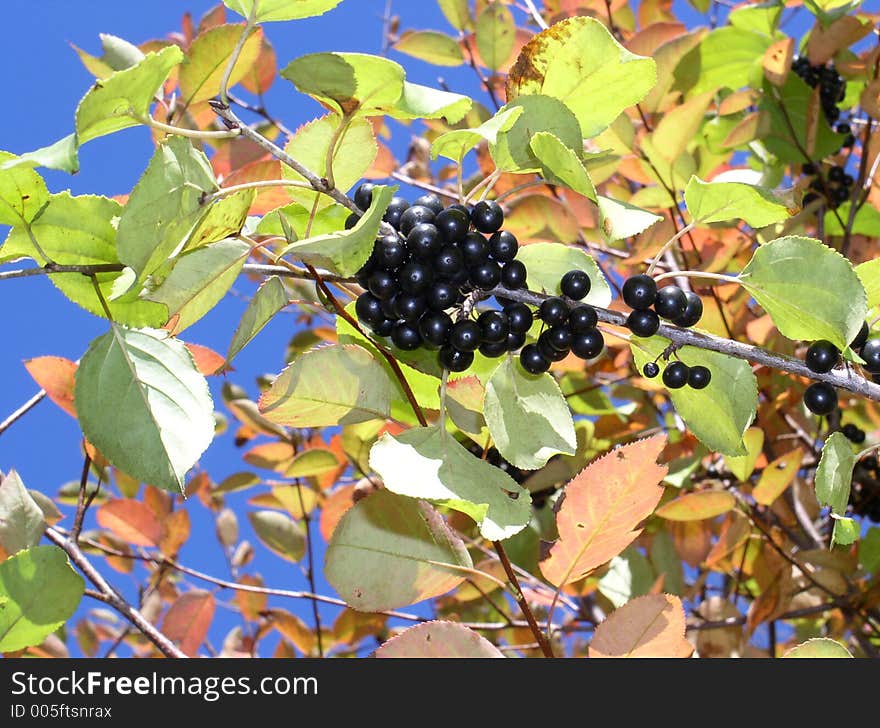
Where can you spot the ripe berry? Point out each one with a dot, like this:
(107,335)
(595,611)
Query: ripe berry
(559,337)
(515,341)
(639,291)
(486,275)
(651,369)
(465,335)
(670,302)
(369,309)
(431,201)
(861,337)
(448,261)
(532,360)
(455,360)
(871,354)
(643,322)
(494,327)
(384,327)
(504,246)
(513,275)
(853,434)
(409,306)
(363,195)
(434,328)
(405,336)
(352,220)
(519,317)
(415,215)
(587,345)
(820,398)
(395,211)
(424,241)
(553,311)
(548,351)
(822,356)
(415,277)
(382,284)
(582,319)
(693,311)
(390,252)
(441,295)
(675,375)
(699,377)
(475,249)
(466,209)
(453,224)
(487,216)
(575,284)
(492,351)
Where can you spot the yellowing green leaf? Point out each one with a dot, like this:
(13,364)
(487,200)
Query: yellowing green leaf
(430,46)
(742,466)
(268,11)
(208,56)
(21,519)
(820,647)
(730,58)
(269,299)
(709,202)
(495,33)
(548,262)
(23,192)
(279,533)
(424,102)
(697,506)
(561,165)
(777,476)
(623,220)
(458,142)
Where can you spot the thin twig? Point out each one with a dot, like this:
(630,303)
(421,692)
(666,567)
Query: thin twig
(82,503)
(310,566)
(23,410)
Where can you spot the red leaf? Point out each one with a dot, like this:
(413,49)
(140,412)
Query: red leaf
(188,620)
(207,360)
(55,375)
(132,521)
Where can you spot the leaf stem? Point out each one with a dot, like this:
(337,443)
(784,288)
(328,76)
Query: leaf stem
(236,52)
(258,184)
(668,245)
(698,274)
(189,133)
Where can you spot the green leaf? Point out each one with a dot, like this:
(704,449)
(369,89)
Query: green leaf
(455,144)
(349,83)
(580,63)
(123,99)
(528,417)
(199,279)
(21,519)
(39,591)
(761,17)
(345,251)
(730,58)
(424,102)
(427,462)
(311,463)
(143,404)
(834,473)
(869,550)
(279,533)
(719,414)
(666,561)
(846,531)
(225,218)
(456,12)
(810,291)
(333,385)
(865,222)
(623,220)
(118,55)
(165,206)
(296,220)
(430,46)
(629,576)
(827,11)
(709,202)
(512,149)
(277,10)
(82,231)
(561,165)
(869,274)
(548,262)
(680,126)
(269,299)
(207,58)
(495,34)
(794,97)
(61,155)
(819,647)
(23,193)
(742,466)
(386,534)
(354,152)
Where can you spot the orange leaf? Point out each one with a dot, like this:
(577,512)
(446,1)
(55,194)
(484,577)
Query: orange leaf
(825,42)
(130,520)
(267,199)
(55,375)
(777,476)
(207,360)
(251,603)
(260,76)
(697,506)
(294,629)
(188,620)
(334,508)
(438,639)
(777,61)
(175,532)
(648,626)
(603,507)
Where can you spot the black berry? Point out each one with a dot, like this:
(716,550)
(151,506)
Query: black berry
(395,211)
(820,398)
(519,317)
(675,375)
(448,261)
(513,275)
(532,360)
(651,369)
(670,302)
(405,336)
(492,351)
(486,275)
(861,337)
(409,306)
(487,216)
(415,215)
(352,220)
(441,295)
(575,284)
(475,249)
(465,335)
(582,319)
(431,201)
(434,328)
(853,434)
(415,278)
(693,311)
(559,337)
(699,377)
(424,241)
(494,327)
(553,311)
(390,252)
(383,327)
(822,356)
(382,284)
(515,341)
(871,354)
(455,360)
(643,322)
(587,345)
(453,224)
(548,350)
(369,309)
(504,246)
(639,291)
(363,195)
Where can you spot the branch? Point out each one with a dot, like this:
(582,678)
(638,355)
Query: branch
(111,597)
(51,268)
(22,411)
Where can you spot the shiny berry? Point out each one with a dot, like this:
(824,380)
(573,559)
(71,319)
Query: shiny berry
(486,275)
(415,215)
(465,335)
(390,252)
(675,375)
(639,291)
(871,354)
(409,306)
(415,277)
(861,337)
(515,341)
(587,345)
(559,337)
(651,369)
(643,322)
(493,351)
(382,284)
(822,356)
(820,398)
(475,249)
(853,434)
(405,336)
(363,195)
(519,317)
(431,201)
(424,241)
(448,261)
(494,327)
(453,224)
(670,302)
(383,327)
(504,246)
(693,311)
(582,319)
(352,220)
(548,351)
(513,275)
(395,211)
(441,295)
(455,360)
(575,284)
(553,311)
(434,328)
(699,377)
(532,360)
(369,309)
(487,216)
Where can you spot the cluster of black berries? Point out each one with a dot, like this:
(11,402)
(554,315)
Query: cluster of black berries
(822,356)
(865,491)
(836,188)
(417,279)
(832,88)
(682,308)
